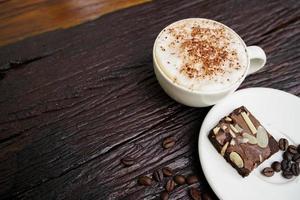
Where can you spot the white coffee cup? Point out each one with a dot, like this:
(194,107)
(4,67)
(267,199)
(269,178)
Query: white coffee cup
(256,60)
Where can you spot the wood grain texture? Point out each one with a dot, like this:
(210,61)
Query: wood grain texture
(73,102)
(23,18)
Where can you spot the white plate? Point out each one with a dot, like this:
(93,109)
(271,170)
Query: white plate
(279,113)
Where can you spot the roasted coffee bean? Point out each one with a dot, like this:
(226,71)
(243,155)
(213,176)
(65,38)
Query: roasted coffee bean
(128,161)
(167,171)
(206,196)
(298,148)
(168,142)
(292,149)
(287,174)
(276,166)
(268,171)
(287,156)
(295,169)
(170,185)
(286,165)
(158,175)
(296,158)
(192,179)
(195,194)
(283,144)
(145,180)
(164,195)
(179,179)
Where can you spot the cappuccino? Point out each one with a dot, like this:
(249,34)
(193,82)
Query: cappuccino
(201,55)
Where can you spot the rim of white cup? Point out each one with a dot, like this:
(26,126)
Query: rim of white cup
(238,82)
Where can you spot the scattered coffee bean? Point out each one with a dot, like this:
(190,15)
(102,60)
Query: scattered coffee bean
(295,169)
(192,179)
(158,175)
(285,165)
(195,194)
(276,166)
(290,163)
(283,144)
(287,156)
(167,171)
(206,196)
(145,180)
(164,195)
(292,149)
(268,171)
(287,174)
(128,161)
(168,142)
(170,185)
(179,179)
(296,158)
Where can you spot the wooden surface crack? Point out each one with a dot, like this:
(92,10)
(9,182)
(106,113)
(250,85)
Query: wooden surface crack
(20,63)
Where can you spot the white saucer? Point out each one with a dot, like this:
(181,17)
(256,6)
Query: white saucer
(279,113)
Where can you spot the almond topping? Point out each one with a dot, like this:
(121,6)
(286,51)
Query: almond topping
(251,138)
(238,128)
(216,130)
(244,140)
(233,128)
(232,134)
(236,159)
(249,123)
(262,137)
(223,150)
(228,119)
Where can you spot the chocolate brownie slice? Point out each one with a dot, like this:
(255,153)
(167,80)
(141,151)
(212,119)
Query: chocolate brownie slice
(243,141)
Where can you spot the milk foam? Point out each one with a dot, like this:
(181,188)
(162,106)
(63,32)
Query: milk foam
(201,55)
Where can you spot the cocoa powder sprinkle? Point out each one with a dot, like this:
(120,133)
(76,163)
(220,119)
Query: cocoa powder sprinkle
(203,48)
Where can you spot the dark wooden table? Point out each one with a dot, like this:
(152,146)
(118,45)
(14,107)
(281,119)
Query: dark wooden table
(75,101)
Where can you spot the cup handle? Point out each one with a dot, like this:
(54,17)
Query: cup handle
(257,58)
